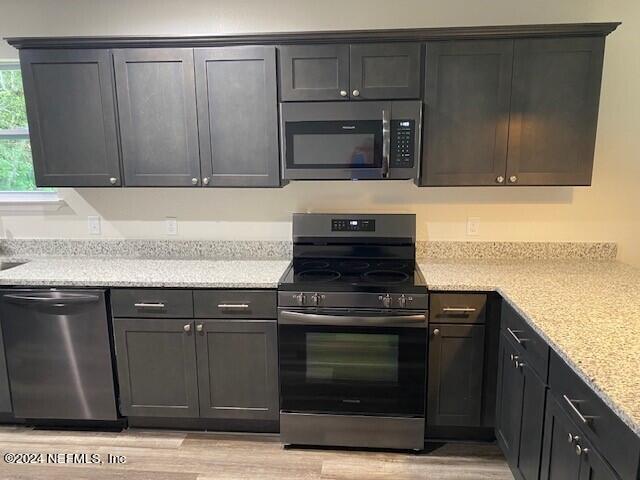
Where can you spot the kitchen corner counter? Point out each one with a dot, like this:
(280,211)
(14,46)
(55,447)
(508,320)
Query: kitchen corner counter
(588,311)
(130,272)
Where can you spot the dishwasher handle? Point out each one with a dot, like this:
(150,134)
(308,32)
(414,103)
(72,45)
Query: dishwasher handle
(52,298)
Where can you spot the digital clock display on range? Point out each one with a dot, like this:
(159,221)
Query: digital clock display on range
(353,225)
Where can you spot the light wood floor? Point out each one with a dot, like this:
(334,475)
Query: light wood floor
(170,455)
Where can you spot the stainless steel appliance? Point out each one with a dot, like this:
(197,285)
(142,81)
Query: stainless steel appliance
(58,354)
(352,318)
(350,140)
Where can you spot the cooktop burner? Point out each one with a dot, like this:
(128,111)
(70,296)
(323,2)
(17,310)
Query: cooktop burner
(318,275)
(386,276)
(313,264)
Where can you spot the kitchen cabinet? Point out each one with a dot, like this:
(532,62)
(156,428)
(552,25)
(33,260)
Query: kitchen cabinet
(238,116)
(467,95)
(567,455)
(156,360)
(520,399)
(5,393)
(554,110)
(72,121)
(238,368)
(313,72)
(455,373)
(370,71)
(157,115)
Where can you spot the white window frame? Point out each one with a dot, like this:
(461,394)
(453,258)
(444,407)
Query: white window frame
(8,198)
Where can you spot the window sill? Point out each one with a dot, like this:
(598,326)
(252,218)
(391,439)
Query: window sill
(16,202)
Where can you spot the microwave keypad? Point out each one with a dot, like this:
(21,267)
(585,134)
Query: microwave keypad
(402,143)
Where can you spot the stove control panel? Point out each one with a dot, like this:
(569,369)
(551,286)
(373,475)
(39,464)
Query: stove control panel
(353,225)
(353,300)
(396,301)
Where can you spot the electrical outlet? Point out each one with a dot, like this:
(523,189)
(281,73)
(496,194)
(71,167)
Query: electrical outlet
(93,224)
(473,226)
(172,225)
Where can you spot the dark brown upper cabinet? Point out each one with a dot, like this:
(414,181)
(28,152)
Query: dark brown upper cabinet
(157,113)
(467,95)
(385,71)
(238,116)
(370,71)
(554,110)
(71,110)
(314,72)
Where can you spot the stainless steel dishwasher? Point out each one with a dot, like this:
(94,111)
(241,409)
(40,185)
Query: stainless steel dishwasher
(58,354)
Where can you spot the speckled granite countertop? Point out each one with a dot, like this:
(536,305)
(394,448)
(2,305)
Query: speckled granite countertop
(588,311)
(129,272)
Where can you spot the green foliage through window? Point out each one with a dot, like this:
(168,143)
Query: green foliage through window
(16,165)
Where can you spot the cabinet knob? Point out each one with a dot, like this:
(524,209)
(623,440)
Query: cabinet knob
(513,179)
(113,180)
(436,332)
(205,181)
(499,179)
(194,181)
(343,93)
(356,93)
(573,438)
(580,450)
(199,327)
(187,327)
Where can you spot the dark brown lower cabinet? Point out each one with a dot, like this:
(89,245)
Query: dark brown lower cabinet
(519,411)
(156,360)
(238,368)
(454,384)
(567,455)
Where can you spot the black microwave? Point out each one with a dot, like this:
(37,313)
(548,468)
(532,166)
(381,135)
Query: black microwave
(350,140)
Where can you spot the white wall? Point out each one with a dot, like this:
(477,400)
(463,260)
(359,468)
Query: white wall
(608,210)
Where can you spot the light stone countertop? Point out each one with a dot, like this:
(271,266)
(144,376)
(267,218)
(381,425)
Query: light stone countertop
(130,272)
(588,311)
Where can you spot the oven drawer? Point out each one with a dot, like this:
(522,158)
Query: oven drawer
(235,303)
(619,445)
(150,302)
(458,308)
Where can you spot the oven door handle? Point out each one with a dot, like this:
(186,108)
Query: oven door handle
(287,317)
(386,144)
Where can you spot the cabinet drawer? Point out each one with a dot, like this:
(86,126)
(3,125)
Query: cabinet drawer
(235,303)
(157,303)
(458,308)
(618,444)
(534,348)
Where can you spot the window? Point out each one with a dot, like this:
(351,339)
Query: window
(16,164)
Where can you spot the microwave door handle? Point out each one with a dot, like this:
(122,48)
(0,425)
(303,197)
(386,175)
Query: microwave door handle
(386,144)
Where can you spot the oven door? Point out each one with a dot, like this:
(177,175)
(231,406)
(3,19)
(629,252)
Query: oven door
(346,362)
(336,140)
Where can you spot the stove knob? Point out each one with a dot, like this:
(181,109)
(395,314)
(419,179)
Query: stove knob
(386,300)
(299,298)
(402,301)
(315,299)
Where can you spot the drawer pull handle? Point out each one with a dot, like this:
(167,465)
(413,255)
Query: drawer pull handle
(149,305)
(458,309)
(236,306)
(586,419)
(515,337)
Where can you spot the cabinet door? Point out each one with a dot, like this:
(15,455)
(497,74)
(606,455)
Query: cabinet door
(156,361)
(5,394)
(385,71)
(157,112)
(554,110)
(238,116)
(71,111)
(509,402)
(593,466)
(454,392)
(559,459)
(314,72)
(533,401)
(467,95)
(238,369)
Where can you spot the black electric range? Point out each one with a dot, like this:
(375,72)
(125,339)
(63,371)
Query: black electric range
(352,320)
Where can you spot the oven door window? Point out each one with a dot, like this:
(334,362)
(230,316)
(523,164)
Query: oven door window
(335,144)
(356,370)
